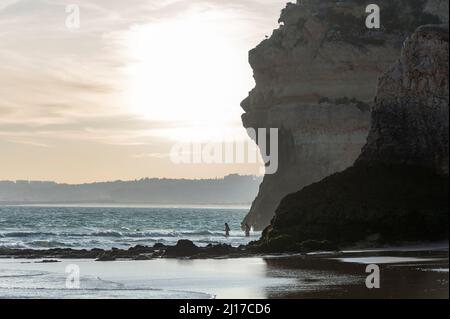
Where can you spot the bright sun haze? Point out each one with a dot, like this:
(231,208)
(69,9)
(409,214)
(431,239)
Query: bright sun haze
(107,101)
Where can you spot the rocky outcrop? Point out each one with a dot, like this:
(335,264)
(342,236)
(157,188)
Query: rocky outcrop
(316,78)
(398,188)
(410,121)
(182,249)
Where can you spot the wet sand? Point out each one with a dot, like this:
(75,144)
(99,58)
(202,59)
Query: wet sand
(404,274)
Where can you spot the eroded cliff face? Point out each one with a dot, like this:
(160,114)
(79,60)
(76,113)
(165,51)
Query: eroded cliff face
(410,121)
(316,78)
(398,188)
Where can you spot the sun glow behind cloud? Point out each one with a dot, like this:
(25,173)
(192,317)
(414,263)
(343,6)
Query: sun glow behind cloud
(189,70)
(109,100)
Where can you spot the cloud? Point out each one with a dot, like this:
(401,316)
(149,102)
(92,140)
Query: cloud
(151,155)
(61,87)
(120,130)
(45,65)
(6,3)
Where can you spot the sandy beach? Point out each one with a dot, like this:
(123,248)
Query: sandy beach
(405,273)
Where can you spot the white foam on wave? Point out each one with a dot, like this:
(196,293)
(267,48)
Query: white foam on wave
(24,284)
(87,228)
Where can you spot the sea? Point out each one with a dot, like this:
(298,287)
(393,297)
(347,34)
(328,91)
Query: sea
(121,227)
(107,227)
(259,277)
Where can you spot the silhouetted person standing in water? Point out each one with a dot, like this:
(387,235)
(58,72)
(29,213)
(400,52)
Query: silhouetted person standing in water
(227,230)
(247,230)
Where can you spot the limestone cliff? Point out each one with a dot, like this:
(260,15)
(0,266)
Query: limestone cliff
(398,188)
(316,78)
(410,121)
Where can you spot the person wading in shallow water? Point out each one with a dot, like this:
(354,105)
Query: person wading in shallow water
(247,230)
(227,230)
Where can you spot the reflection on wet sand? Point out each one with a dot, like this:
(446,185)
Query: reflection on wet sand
(402,275)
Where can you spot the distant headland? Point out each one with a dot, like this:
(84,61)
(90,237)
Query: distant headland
(232,190)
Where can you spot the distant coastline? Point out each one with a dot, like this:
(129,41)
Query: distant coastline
(230,191)
(129,205)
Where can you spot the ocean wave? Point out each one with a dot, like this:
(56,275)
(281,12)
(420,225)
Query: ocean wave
(13,245)
(7,273)
(104,234)
(106,238)
(202,233)
(19,234)
(48,244)
(152,234)
(119,234)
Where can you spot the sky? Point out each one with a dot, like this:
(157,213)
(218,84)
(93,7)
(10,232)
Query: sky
(109,99)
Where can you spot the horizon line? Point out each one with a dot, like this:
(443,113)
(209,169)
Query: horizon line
(25,181)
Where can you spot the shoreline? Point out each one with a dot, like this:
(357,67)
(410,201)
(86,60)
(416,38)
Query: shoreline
(331,275)
(186,249)
(183,249)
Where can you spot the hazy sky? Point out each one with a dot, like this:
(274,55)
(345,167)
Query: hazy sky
(107,101)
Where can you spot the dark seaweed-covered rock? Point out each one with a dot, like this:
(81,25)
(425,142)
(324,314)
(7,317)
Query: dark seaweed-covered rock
(139,249)
(159,246)
(397,203)
(219,250)
(315,246)
(183,248)
(142,257)
(107,256)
